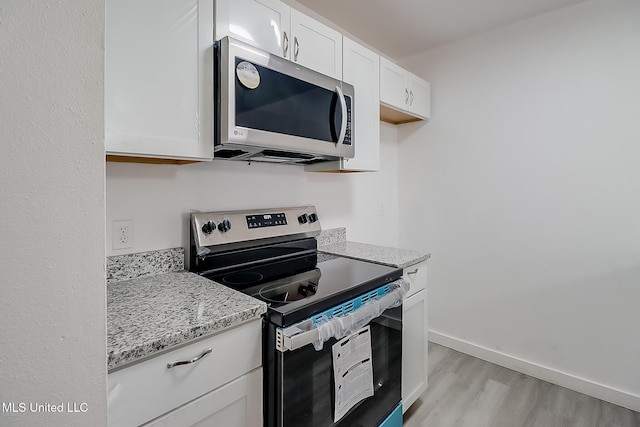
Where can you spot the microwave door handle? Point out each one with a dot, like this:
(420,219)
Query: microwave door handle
(343,107)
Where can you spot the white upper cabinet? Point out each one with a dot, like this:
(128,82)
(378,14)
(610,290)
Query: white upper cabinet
(260,23)
(419,96)
(404,97)
(159,79)
(393,88)
(277,28)
(315,46)
(361,68)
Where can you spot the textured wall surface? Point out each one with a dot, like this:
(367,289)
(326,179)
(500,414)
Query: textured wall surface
(52,310)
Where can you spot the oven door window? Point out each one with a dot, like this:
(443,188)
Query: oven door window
(286,105)
(308,387)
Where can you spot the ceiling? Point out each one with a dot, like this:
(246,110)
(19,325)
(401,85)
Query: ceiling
(403,28)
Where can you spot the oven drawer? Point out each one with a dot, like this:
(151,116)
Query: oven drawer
(149,389)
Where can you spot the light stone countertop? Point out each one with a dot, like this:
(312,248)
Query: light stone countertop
(132,266)
(153,306)
(332,235)
(393,257)
(147,315)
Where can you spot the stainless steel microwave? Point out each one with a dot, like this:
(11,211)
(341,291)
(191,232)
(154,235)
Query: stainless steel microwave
(270,109)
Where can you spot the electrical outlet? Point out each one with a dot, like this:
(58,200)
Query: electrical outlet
(122,234)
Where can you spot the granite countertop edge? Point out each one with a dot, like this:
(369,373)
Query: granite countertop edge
(384,255)
(152,348)
(134,336)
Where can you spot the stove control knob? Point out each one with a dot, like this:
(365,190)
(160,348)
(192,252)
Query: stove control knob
(224,226)
(302,219)
(303,290)
(313,217)
(208,227)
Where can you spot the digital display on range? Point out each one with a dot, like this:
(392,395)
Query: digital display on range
(266,220)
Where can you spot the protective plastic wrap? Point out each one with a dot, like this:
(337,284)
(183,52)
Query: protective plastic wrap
(200,250)
(340,327)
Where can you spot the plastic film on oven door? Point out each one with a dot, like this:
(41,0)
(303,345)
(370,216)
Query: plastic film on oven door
(319,331)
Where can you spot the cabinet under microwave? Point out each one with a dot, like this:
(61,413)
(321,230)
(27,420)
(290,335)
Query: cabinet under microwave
(273,110)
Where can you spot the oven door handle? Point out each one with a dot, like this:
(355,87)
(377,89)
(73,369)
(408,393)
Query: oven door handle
(295,337)
(304,333)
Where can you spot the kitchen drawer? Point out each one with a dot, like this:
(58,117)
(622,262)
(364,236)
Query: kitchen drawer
(416,275)
(149,389)
(237,404)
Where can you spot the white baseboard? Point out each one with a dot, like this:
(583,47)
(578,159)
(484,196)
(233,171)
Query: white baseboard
(563,379)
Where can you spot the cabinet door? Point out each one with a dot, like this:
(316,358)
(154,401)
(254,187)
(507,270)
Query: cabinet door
(419,96)
(315,46)
(393,90)
(361,68)
(159,78)
(414,348)
(237,404)
(148,389)
(260,23)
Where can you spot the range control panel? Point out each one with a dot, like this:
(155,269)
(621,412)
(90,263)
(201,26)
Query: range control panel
(266,220)
(211,229)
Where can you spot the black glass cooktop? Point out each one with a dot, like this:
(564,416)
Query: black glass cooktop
(295,289)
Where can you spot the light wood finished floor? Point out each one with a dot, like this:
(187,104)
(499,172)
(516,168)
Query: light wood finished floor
(468,392)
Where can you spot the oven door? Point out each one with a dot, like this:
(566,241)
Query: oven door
(271,103)
(299,385)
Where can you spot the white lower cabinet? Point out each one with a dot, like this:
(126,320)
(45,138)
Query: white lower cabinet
(414,336)
(223,387)
(237,404)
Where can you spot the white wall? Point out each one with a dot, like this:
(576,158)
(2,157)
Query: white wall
(158,198)
(52,309)
(525,188)
(367,202)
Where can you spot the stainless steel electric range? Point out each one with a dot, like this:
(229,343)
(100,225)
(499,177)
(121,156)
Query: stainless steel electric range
(315,308)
